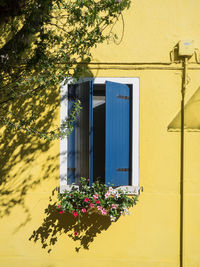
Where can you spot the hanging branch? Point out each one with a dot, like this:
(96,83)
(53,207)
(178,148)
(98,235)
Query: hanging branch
(45,33)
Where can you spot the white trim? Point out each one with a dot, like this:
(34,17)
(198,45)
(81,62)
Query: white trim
(134,189)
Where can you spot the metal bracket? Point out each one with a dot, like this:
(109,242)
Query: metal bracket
(123,169)
(123,97)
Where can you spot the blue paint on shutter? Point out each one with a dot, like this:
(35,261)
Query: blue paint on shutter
(80,142)
(71,140)
(117,150)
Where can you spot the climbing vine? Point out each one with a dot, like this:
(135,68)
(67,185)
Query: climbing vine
(42,43)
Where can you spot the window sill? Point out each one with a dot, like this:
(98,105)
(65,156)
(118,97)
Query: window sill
(130,190)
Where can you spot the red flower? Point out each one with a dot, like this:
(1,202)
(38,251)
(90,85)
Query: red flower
(75,213)
(91,205)
(75,233)
(59,206)
(61,212)
(86,199)
(97,202)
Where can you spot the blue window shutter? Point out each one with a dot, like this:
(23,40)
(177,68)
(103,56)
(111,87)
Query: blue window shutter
(80,143)
(117,151)
(71,140)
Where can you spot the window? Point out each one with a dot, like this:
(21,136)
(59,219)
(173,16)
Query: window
(105,141)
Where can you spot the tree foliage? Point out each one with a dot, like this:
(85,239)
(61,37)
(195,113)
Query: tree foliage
(42,43)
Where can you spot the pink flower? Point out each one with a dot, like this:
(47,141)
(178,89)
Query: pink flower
(119,1)
(114,206)
(59,206)
(86,199)
(97,202)
(99,207)
(75,213)
(83,210)
(95,196)
(110,188)
(75,233)
(103,211)
(61,212)
(107,195)
(91,205)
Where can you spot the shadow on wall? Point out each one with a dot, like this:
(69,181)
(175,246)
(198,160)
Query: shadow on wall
(19,152)
(20,169)
(22,77)
(192,117)
(55,225)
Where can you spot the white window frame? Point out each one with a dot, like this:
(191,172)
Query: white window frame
(134,188)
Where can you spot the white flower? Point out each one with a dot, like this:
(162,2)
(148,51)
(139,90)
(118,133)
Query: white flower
(117,195)
(110,189)
(126,211)
(112,218)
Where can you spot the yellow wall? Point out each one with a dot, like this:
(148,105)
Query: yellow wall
(150,236)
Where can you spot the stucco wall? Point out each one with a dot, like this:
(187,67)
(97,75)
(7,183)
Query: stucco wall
(150,236)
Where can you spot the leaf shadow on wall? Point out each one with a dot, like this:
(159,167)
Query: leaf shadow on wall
(56,225)
(26,161)
(21,170)
(19,153)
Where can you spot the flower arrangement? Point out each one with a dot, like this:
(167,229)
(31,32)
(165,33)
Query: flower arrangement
(99,197)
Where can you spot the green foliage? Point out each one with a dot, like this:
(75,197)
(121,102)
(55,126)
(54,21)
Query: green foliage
(43,42)
(99,198)
(27,125)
